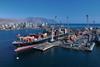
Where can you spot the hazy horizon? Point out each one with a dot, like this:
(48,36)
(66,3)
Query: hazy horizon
(76,10)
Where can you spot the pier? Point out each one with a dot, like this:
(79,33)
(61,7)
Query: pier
(41,47)
(92,46)
(47,45)
(81,47)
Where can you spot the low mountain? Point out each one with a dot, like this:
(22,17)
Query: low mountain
(35,20)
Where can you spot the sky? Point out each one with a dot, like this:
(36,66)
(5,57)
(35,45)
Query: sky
(76,10)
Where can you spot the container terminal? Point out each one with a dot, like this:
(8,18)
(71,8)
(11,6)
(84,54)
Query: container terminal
(76,39)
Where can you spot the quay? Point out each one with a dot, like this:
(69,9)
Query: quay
(45,46)
(41,47)
(81,47)
(92,46)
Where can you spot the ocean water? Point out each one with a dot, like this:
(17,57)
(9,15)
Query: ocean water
(54,57)
(77,25)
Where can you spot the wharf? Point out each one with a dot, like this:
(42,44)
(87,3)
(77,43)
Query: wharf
(80,47)
(45,46)
(41,47)
(82,43)
(91,47)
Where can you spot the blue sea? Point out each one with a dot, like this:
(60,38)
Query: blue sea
(54,57)
(77,25)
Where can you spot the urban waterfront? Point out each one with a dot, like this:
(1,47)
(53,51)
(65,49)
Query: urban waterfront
(49,33)
(53,57)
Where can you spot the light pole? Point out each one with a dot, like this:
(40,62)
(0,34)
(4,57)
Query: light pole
(67,19)
(87,21)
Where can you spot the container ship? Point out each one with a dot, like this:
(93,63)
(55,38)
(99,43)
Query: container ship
(30,39)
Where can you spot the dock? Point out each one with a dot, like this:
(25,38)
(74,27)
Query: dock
(80,47)
(42,47)
(91,47)
(47,45)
